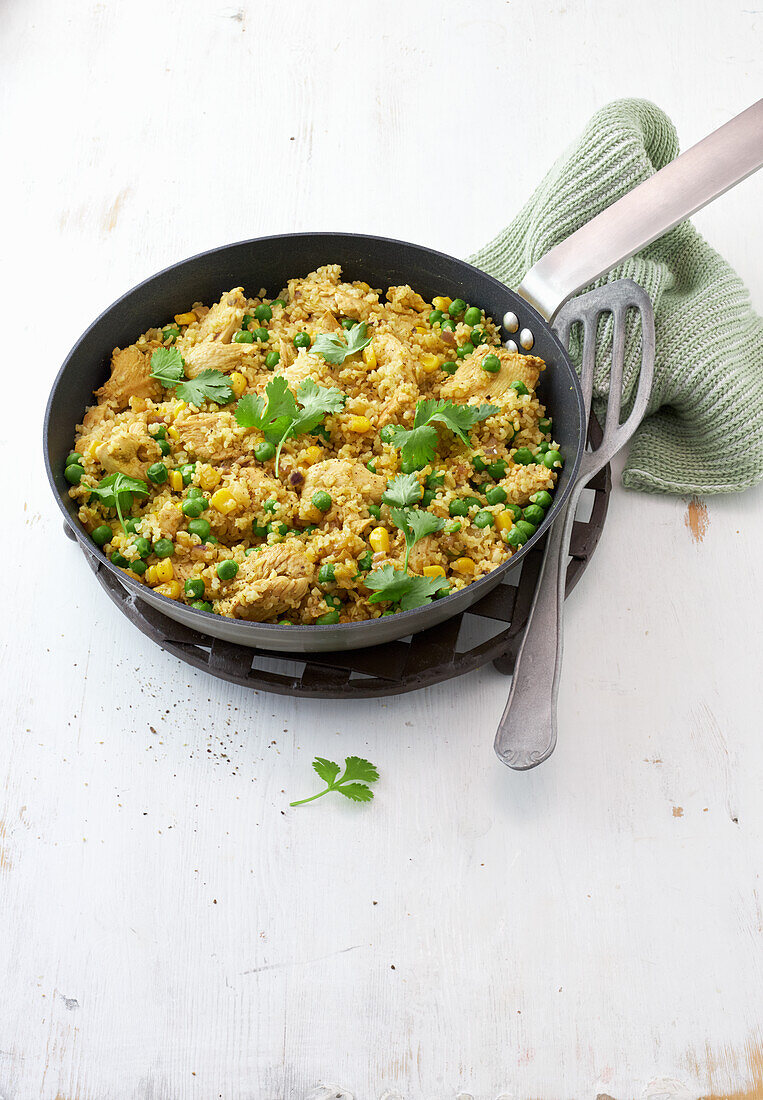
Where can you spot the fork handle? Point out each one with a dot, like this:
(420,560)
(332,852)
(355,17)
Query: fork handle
(527,731)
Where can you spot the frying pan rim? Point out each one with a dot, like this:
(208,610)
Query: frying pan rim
(491,578)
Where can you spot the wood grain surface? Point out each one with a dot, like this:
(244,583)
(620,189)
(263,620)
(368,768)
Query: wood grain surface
(169,928)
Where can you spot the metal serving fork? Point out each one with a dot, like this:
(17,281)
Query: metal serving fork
(527,731)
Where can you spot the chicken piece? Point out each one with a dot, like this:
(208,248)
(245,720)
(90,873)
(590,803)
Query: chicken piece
(426,552)
(223,319)
(403,299)
(258,487)
(349,485)
(94,418)
(394,377)
(329,323)
(213,355)
(120,451)
(342,300)
(269,583)
(471,381)
(130,377)
(307,366)
(213,436)
(169,518)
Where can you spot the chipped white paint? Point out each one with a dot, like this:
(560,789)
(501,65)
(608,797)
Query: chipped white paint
(168,927)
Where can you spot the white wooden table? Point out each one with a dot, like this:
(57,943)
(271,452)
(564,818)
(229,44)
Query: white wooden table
(168,927)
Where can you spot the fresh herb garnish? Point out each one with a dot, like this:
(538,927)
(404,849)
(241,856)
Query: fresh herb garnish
(417,445)
(402,491)
(393,586)
(281,417)
(335,350)
(168,366)
(415,525)
(116,491)
(352,783)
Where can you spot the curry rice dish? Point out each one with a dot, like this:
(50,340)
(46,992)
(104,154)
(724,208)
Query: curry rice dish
(333,455)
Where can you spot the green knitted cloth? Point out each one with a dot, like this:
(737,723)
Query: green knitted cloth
(704,427)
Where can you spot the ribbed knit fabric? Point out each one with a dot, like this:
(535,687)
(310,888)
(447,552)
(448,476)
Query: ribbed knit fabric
(704,427)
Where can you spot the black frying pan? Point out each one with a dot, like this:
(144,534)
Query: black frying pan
(689,182)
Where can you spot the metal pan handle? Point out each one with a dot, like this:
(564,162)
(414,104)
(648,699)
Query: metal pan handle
(695,178)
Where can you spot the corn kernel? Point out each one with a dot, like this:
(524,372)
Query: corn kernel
(176,481)
(359,424)
(224,501)
(92,448)
(430,362)
(379,539)
(310,456)
(164,570)
(433,571)
(152,577)
(237,383)
(209,477)
(442,304)
(185,318)
(504,520)
(171,590)
(464,565)
(369,356)
(419,328)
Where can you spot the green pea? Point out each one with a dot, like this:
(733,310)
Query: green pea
(201,605)
(263,312)
(171,333)
(279,302)
(120,560)
(213,541)
(515,510)
(365,561)
(552,459)
(194,586)
(278,528)
(261,334)
(187,472)
(138,567)
(452,528)
(160,433)
(458,508)
(270,505)
(332,601)
(246,320)
(435,479)
(192,507)
(473,502)
(260,530)
(387,433)
(497,469)
(457,307)
(348,323)
(326,574)
(533,513)
(427,497)
(491,363)
(544,425)
(302,340)
(449,367)
(435,316)
(195,491)
(226,570)
(483,519)
(472,316)
(482,488)
(272,359)
(73,459)
(328,619)
(308,530)
(243,337)
(514,538)
(199,527)
(524,456)
(374,510)
(131,526)
(496,495)
(322,500)
(284,622)
(143,546)
(371,466)
(525,528)
(477,337)
(478,462)
(157,472)
(465,349)
(520,388)
(163,446)
(543,448)
(448,324)
(101,535)
(73,474)
(164,548)
(542,499)
(264,451)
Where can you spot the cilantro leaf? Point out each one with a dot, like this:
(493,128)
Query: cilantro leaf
(389,584)
(403,490)
(208,385)
(355,769)
(459,418)
(168,365)
(415,525)
(116,491)
(417,445)
(335,350)
(281,417)
(422,591)
(316,402)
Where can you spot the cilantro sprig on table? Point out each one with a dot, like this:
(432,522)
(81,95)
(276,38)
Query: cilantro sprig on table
(281,416)
(417,445)
(335,350)
(117,491)
(352,783)
(168,367)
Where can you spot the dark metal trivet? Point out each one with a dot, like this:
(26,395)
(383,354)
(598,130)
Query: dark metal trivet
(490,630)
